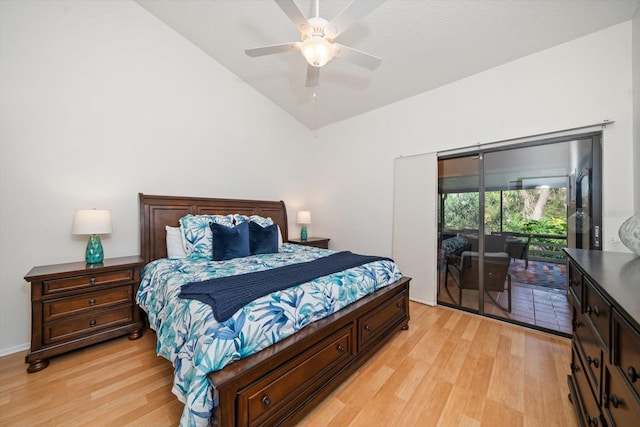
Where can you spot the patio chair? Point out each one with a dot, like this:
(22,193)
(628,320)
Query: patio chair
(520,250)
(496,273)
(495,243)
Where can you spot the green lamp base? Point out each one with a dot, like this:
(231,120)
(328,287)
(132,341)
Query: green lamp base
(95,253)
(303,233)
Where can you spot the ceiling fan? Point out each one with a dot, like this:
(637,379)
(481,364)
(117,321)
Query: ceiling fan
(317,37)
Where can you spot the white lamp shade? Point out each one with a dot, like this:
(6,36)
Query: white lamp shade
(91,221)
(304,217)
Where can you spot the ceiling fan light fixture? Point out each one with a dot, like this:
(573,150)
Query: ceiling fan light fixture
(317,50)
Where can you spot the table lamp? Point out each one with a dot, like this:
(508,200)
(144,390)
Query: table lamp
(304,218)
(92,222)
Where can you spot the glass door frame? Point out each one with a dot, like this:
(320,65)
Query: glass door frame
(595,206)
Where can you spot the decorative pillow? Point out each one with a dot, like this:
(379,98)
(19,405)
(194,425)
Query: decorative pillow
(253,218)
(196,233)
(230,242)
(263,240)
(175,247)
(259,220)
(454,244)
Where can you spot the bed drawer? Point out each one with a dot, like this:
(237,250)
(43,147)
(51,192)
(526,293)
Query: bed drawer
(263,402)
(81,326)
(375,323)
(63,307)
(88,280)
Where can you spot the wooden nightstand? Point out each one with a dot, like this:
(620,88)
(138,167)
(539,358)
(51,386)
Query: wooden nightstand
(317,242)
(74,305)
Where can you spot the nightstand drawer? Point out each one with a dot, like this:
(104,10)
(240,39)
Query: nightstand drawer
(82,326)
(84,281)
(65,307)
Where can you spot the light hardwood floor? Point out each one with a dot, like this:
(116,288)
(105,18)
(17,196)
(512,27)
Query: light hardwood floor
(450,368)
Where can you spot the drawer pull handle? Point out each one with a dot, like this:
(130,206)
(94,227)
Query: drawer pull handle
(399,305)
(266,402)
(368,328)
(592,421)
(92,301)
(633,374)
(574,367)
(92,323)
(593,310)
(576,324)
(591,360)
(613,399)
(92,280)
(340,348)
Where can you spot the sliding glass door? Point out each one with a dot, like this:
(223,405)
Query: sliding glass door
(459,222)
(504,217)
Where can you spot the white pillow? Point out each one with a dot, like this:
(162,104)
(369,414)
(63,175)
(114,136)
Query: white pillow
(279,237)
(175,248)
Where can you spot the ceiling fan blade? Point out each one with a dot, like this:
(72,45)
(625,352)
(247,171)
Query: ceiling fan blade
(294,13)
(313,75)
(269,50)
(354,11)
(358,57)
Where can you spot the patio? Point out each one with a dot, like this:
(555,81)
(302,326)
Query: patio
(538,296)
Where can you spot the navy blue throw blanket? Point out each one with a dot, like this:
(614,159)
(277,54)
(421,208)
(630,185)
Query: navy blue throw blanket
(226,295)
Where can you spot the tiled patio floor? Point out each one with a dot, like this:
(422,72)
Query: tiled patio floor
(543,307)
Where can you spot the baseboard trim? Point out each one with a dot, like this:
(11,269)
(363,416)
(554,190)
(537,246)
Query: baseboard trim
(15,349)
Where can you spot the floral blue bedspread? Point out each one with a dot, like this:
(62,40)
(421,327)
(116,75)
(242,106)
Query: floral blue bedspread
(190,337)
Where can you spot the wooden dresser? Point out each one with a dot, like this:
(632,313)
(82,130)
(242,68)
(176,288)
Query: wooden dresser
(74,305)
(604,292)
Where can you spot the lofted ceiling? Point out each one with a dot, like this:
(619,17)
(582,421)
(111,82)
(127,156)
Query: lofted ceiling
(423,44)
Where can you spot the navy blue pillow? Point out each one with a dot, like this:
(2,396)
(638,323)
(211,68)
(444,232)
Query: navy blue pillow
(230,242)
(263,240)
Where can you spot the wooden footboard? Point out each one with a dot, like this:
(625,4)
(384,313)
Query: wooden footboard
(282,383)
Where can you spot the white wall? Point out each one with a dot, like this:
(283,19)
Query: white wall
(100,101)
(581,82)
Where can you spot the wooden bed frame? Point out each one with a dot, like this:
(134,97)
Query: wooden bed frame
(282,383)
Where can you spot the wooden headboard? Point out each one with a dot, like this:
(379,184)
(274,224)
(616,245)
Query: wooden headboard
(156,212)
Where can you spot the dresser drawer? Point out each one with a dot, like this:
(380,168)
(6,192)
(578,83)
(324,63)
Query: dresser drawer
(597,310)
(575,282)
(375,323)
(621,405)
(81,326)
(626,352)
(63,307)
(589,407)
(264,400)
(591,351)
(88,280)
